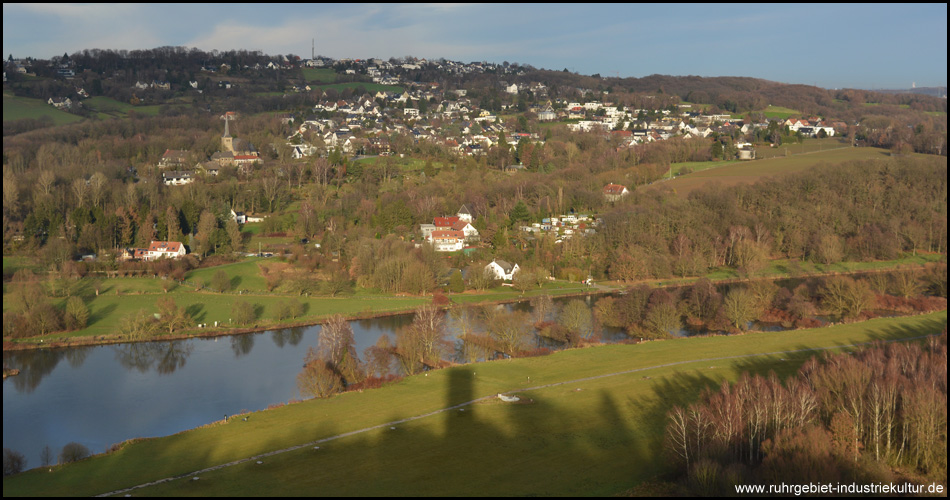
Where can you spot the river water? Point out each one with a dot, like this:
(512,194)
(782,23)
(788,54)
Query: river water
(102,395)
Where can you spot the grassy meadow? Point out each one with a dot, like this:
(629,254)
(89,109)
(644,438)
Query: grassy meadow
(599,435)
(748,172)
(369,86)
(319,75)
(122,296)
(107,107)
(17,108)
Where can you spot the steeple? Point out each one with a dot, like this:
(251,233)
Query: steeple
(227,143)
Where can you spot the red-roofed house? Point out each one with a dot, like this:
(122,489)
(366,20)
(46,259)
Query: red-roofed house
(614,192)
(444,222)
(168,249)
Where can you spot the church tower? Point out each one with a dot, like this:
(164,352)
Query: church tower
(227,142)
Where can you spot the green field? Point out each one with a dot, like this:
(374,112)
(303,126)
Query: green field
(18,108)
(369,86)
(404,164)
(319,75)
(120,297)
(697,166)
(747,172)
(780,112)
(764,151)
(598,435)
(108,107)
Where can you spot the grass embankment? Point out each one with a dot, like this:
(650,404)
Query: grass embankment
(17,108)
(593,437)
(794,268)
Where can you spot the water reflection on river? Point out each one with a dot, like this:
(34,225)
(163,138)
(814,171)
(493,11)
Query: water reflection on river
(106,394)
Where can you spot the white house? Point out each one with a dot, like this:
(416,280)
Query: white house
(167,249)
(238,217)
(614,192)
(502,270)
(464,214)
(177,178)
(448,240)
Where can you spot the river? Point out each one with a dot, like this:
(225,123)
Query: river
(103,395)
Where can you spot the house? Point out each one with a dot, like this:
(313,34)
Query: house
(465,214)
(173,158)
(238,217)
(166,249)
(448,240)
(177,178)
(133,254)
(502,270)
(614,192)
(471,234)
(60,102)
(427,230)
(445,222)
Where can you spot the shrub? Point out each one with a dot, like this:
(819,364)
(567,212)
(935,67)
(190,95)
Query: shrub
(220,282)
(439,299)
(243,313)
(13,462)
(73,452)
(77,314)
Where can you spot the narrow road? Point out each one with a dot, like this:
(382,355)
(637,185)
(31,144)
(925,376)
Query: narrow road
(196,473)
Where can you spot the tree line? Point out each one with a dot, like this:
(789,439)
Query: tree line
(874,416)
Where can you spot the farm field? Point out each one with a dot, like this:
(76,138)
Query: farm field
(751,171)
(369,86)
(319,75)
(697,166)
(591,422)
(17,108)
(108,107)
(780,112)
(404,164)
(763,151)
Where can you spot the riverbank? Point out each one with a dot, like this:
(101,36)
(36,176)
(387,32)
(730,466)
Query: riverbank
(211,332)
(57,340)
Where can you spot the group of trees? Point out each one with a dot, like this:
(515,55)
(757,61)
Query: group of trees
(872,416)
(32,311)
(651,312)
(14,461)
(485,332)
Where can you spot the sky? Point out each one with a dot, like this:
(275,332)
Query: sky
(870,46)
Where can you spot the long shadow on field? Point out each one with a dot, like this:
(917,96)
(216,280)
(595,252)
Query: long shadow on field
(196,312)
(882,334)
(102,314)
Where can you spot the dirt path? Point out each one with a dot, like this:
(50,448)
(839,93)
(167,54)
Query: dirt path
(394,423)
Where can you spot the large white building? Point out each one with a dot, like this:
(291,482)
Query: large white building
(502,270)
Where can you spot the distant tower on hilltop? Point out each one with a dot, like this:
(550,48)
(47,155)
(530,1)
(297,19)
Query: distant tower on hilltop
(227,142)
(913,85)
